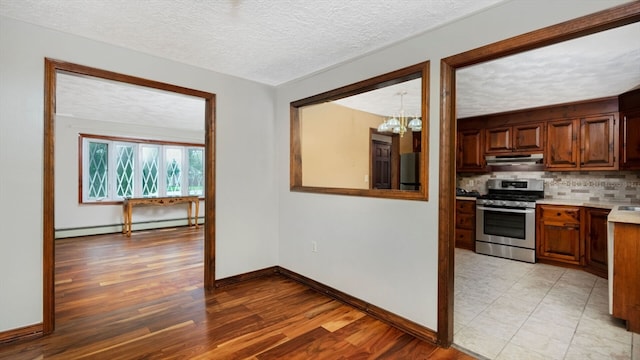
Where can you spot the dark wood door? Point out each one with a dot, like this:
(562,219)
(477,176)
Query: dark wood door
(597,142)
(528,137)
(470,150)
(498,140)
(562,144)
(630,140)
(595,254)
(558,234)
(381,165)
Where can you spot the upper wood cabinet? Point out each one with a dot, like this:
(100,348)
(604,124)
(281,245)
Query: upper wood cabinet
(562,144)
(470,157)
(598,142)
(523,139)
(630,140)
(588,143)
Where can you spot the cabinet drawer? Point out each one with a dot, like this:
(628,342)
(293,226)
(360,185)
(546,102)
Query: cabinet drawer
(567,216)
(465,221)
(466,206)
(465,239)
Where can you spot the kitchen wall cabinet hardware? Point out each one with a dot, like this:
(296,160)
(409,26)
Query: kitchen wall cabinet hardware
(559,234)
(626,277)
(588,143)
(465,224)
(521,139)
(470,157)
(630,140)
(595,241)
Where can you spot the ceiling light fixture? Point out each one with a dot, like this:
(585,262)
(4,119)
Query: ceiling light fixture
(400,124)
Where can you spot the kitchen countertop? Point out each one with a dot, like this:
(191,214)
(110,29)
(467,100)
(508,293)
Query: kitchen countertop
(586,203)
(624,216)
(473,198)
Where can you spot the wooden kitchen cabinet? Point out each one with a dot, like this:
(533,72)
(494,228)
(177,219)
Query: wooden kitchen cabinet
(598,142)
(595,241)
(626,276)
(559,234)
(465,233)
(630,140)
(588,143)
(562,144)
(521,139)
(529,137)
(470,157)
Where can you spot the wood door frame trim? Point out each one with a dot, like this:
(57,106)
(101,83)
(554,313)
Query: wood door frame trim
(603,20)
(52,66)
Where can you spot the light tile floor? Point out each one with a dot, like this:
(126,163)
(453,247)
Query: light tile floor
(507,309)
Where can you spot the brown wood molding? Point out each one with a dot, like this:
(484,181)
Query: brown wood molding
(52,66)
(408,326)
(21,334)
(231,280)
(421,70)
(586,25)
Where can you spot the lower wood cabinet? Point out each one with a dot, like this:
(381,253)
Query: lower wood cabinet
(626,277)
(466,224)
(595,241)
(559,234)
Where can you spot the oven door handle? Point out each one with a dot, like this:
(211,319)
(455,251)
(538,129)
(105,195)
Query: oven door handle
(517,211)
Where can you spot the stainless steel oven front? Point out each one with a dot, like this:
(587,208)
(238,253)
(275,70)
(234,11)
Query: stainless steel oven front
(506,231)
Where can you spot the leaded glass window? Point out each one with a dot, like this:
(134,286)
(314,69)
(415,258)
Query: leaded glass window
(98,170)
(196,171)
(173,159)
(150,163)
(124,170)
(116,168)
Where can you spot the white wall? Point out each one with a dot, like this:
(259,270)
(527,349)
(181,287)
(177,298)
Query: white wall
(385,251)
(246,206)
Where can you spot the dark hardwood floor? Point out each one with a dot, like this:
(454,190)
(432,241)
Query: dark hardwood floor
(143,298)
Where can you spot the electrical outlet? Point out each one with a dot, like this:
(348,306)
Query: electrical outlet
(314,246)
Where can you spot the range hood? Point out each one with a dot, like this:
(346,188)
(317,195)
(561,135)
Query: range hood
(508,160)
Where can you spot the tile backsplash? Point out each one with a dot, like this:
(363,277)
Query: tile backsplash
(615,186)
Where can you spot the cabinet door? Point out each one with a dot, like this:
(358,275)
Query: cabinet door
(597,142)
(562,144)
(470,154)
(465,224)
(528,137)
(630,141)
(498,140)
(595,253)
(558,234)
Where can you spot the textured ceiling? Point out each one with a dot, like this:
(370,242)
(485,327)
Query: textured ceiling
(295,38)
(600,65)
(269,41)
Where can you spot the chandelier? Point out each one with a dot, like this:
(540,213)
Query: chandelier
(400,124)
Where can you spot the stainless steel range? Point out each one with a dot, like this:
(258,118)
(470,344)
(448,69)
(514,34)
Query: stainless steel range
(506,218)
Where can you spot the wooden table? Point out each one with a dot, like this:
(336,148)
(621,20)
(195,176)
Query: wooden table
(129,203)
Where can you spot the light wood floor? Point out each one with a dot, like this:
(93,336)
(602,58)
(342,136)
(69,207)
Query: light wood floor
(142,298)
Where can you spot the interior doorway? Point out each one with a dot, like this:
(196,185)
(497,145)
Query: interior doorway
(381,165)
(52,68)
(586,25)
